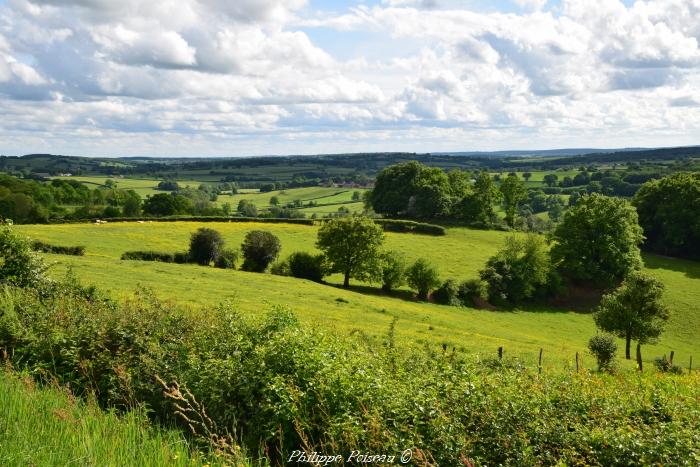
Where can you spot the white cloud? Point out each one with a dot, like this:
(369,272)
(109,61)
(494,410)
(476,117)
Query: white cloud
(252,76)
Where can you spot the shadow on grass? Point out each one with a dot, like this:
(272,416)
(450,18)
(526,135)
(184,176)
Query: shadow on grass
(405,295)
(691,269)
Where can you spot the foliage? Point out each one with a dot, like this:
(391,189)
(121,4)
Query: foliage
(477,207)
(57,249)
(280,268)
(286,387)
(148,256)
(247,208)
(168,185)
(304,265)
(351,246)
(472,291)
(520,271)
(603,347)
(205,246)
(404,226)
(167,204)
(665,365)
(393,270)
(598,240)
(669,213)
(19,265)
(394,187)
(447,294)
(260,248)
(226,259)
(513,193)
(634,311)
(423,277)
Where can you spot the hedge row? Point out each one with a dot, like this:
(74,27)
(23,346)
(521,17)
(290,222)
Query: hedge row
(396,225)
(58,250)
(179,258)
(266,220)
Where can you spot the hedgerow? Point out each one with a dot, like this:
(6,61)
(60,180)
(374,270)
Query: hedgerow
(280,386)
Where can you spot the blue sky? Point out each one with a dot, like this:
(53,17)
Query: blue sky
(214,77)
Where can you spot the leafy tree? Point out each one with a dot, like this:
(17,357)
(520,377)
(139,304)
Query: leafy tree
(477,206)
(356,196)
(393,270)
(634,310)
(555,207)
(551,180)
(205,246)
(168,185)
(471,291)
(447,294)
(226,259)
(460,183)
(304,265)
(166,204)
(598,240)
(274,201)
(351,245)
(514,193)
(19,265)
(669,213)
(132,204)
(423,277)
(393,188)
(432,196)
(260,248)
(246,208)
(519,271)
(527,176)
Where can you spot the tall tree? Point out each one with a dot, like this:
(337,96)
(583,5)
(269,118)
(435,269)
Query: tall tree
(634,311)
(598,240)
(205,246)
(514,193)
(351,245)
(260,248)
(477,206)
(394,187)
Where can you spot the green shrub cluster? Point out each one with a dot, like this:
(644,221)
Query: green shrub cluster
(280,386)
(149,256)
(58,250)
(267,220)
(402,226)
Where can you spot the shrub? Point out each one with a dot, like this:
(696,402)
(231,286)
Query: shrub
(471,291)
(396,225)
(260,248)
(423,277)
(280,268)
(447,294)
(148,256)
(181,257)
(19,265)
(520,271)
(227,259)
(603,347)
(205,246)
(306,266)
(58,250)
(665,365)
(393,270)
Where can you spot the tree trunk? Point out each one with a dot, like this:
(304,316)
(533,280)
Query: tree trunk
(628,340)
(639,356)
(346,281)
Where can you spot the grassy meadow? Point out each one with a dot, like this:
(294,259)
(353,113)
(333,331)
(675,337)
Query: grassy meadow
(47,426)
(363,308)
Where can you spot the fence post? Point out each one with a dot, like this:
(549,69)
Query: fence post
(690,367)
(500,353)
(576,362)
(670,360)
(539,363)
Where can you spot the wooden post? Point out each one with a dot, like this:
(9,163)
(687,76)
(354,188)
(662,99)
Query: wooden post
(670,360)
(576,362)
(690,367)
(639,356)
(539,363)
(500,353)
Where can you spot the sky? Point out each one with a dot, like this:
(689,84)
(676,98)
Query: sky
(258,77)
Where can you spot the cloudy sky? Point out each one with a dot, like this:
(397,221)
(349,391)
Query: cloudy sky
(248,77)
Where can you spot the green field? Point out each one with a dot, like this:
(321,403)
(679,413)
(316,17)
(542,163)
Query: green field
(459,255)
(50,427)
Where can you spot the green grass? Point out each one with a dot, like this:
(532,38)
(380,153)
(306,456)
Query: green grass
(47,426)
(459,255)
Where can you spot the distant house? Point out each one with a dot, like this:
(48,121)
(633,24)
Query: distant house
(65,175)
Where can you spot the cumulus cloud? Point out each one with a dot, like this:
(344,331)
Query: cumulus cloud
(266,76)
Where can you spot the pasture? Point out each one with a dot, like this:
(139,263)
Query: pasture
(364,309)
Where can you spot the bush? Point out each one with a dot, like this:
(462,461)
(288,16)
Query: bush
(58,250)
(280,268)
(227,259)
(393,270)
(423,277)
(520,271)
(149,256)
(665,365)
(260,248)
(19,265)
(205,246)
(181,257)
(447,294)
(472,291)
(396,225)
(603,347)
(306,266)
